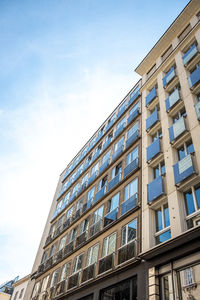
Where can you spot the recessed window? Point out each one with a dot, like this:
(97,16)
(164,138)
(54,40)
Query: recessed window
(167,52)
(159,170)
(157,135)
(117,170)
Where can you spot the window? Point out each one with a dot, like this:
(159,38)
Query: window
(189,282)
(44,257)
(66,199)
(62,242)
(192,203)
(84,225)
(113,203)
(131,189)
(116,170)
(163,232)
(121,123)
(54,278)
(180,114)
(109,245)
(109,137)
(53,250)
(78,261)
(44,283)
(84,179)
(133,155)
(21,293)
(122,106)
(134,108)
(95,169)
(60,221)
(157,135)
(132,130)
(92,142)
(59,206)
(90,194)
(183,34)
(69,213)
(167,52)
(111,119)
(16,294)
(35,290)
(52,229)
(79,204)
(198,98)
(129,232)
(185,149)
(159,170)
(72,235)
(102,183)
(65,271)
(119,144)
(151,71)
(135,91)
(97,215)
(75,189)
(92,255)
(166,287)
(106,157)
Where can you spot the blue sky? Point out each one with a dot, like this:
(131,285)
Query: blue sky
(60,61)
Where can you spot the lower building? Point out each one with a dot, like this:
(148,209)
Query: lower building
(20,288)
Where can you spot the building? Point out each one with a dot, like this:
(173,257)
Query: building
(124,222)
(6,289)
(20,288)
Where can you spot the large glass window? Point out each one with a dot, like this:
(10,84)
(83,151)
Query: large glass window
(53,249)
(132,130)
(65,271)
(129,232)
(54,278)
(109,245)
(163,232)
(131,189)
(113,203)
(92,255)
(95,168)
(97,215)
(78,261)
(132,156)
(90,194)
(84,225)
(72,235)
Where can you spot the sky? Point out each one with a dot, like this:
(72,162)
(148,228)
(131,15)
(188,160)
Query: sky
(64,66)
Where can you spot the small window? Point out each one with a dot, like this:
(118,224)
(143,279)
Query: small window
(129,232)
(109,245)
(135,91)
(92,255)
(78,261)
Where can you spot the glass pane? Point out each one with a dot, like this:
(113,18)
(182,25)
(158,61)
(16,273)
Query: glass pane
(166,215)
(135,107)
(62,243)
(111,244)
(94,257)
(132,230)
(114,202)
(156,172)
(104,252)
(190,148)
(167,287)
(65,271)
(197,194)
(124,235)
(89,257)
(133,187)
(189,282)
(159,223)
(189,202)
(79,262)
(132,130)
(163,237)
(163,170)
(126,193)
(181,153)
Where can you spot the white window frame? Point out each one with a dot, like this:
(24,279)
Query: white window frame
(126,233)
(90,255)
(106,240)
(75,265)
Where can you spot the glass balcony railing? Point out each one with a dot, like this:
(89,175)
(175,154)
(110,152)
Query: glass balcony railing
(131,167)
(132,139)
(111,217)
(183,169)
(88,204)
(101,133)
(151,96)
(194,78)
(197,108)
(190,54)
(133,116)
(172,100)
(100,194)
(127,252)
(86,165)
(109,125)
(117,153)
(96,155)
(88,273)
(73,281)
(106,263)
(81,238)
(152,120)
(129,204)
(73,196)
(153,150)
(112,183)
(177,129)
(104,166)
(119,130)
(92,177)
(96,227)
(171,74)
(134,97)
(69,248)
(155,189)
(107,143)
(121,111)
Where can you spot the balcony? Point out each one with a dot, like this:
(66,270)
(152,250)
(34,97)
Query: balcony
(106,263)
(133,98)
(88,272)
(155,189)
(73,281)
(78,173)
(104,166)
(107,143)
(100,194)
(101,133)
(76,215)
(73,196)
(41,268)
(171,74)
(96,155)
(133,116)
(111,217)
(172,100)
(67,223)
(96,227)
(81,238)
(127,252)
(132,139)
(49,263)
(197,108)
(109,125)
(129,204)
(58,256)
(119,130)
(112,183)
(117,153)
(189,55)
(177,129)
(86,165)
(194,78)
(152,120)
(183,169)
(151,96)
(88,204)
(121,111)
(133,166)
(153,150)
(60,288)
(68,249)
(82,188)
(92,177)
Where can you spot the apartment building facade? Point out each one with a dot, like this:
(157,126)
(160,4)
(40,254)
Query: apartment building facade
(124,222)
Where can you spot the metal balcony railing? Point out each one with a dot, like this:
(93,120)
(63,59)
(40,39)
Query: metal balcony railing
(171,74)
(121,111)
(88,272)
(132,138)
(104,166)
(190,54)
(100,194)
(194,78)
(155,189)
(153,150)
(131,167)
(151,96)
(107,143)
(133,116)
(183,169)
(112,183)
(73,280)
(127,252)
(106,263)
(88,204)
(96,227)
(92,177)
(119,130)
(172,100)
(177,129)
(117,153)
(134,97)
(81,238)
(152,120)
(68,248)
(60,288)
(109,125)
